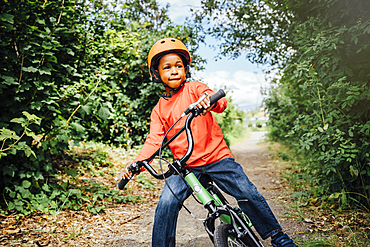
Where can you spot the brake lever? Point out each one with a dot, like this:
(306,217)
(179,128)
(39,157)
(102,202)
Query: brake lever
(191,107)
(134,168)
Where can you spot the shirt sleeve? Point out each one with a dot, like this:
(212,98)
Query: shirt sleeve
(154,138)
(221,103)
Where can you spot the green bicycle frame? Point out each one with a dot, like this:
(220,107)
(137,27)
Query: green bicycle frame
(204,196)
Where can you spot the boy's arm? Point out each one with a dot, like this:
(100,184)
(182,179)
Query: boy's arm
(154,139)
(151,143)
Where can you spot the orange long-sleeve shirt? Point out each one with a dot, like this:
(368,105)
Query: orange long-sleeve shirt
(209,145)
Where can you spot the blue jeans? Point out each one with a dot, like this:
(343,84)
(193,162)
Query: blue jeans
(230,178)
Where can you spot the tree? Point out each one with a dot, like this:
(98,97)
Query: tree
(321,103)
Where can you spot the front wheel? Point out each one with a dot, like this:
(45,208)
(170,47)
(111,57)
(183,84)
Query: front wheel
(225,236)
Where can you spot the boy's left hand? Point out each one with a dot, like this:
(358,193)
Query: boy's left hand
(206,105)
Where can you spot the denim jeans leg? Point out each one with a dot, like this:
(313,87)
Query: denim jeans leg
(230,177)
(166,213)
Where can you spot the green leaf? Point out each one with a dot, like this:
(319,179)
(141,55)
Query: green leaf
(30,69)
(26,184)
(70,52)
(9,80)
(21,121)
(70,172)
(356,40)
(12,194)
(32,117)
(87,108)
(26,194)
(38,176)
(334,196)
(40,21)
(28,151)
(11,206)
(45,70)
(104,113)
(78,127)
(7,17)
(9,170)
(45,187)
(6,133)
(350,133)
(64,185)
(33,135)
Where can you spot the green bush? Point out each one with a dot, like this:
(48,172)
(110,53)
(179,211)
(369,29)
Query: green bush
(232,123)
(77,71)
(321,104)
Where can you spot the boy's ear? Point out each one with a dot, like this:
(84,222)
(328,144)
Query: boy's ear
(155,76)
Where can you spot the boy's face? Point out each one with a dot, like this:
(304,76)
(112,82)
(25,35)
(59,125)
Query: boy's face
(171,70)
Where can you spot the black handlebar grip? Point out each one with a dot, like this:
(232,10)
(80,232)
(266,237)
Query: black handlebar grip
(214,98)
(121,184)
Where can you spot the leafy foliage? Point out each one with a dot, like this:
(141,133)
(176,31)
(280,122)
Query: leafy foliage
(324,100)
(231,122)
(77,71)
(320,104)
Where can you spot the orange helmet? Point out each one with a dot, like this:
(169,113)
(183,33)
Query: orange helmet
(163,47)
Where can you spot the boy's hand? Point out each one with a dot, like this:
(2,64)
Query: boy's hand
(128,175)
(206,105)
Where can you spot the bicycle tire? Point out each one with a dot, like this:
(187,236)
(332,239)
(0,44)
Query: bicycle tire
(224,237)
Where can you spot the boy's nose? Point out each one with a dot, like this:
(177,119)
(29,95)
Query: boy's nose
(173,70)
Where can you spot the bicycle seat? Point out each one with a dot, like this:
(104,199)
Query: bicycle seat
(207,183)
(205,180)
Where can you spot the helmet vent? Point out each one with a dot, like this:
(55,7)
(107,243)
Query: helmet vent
(163,42)
(173,40)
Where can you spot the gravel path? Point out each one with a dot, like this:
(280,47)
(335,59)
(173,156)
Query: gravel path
(258,166)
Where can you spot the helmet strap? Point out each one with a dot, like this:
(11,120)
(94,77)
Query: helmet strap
(171,90)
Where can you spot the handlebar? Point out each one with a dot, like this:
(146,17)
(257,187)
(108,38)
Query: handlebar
(214,98)
(135,168)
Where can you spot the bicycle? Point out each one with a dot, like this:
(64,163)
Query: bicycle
(235,228)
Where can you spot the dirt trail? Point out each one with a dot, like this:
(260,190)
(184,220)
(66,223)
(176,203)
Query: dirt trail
(258,166)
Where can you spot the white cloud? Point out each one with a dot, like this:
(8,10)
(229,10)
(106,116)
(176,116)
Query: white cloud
(179,9)
(243,86)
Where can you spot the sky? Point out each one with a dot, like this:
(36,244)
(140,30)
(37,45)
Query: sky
(242,78)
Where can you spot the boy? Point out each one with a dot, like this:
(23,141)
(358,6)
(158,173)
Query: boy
(169,64)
